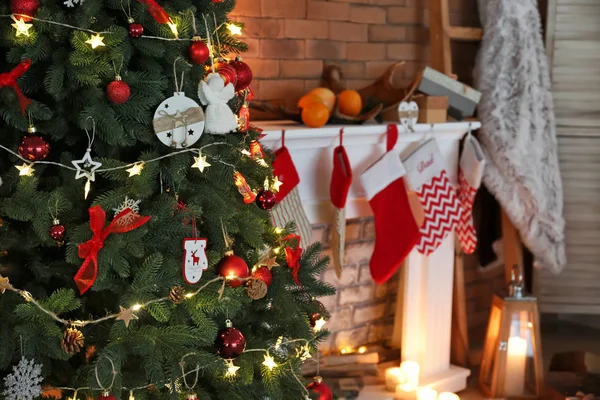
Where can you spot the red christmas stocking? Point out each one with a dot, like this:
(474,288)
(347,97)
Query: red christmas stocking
(429,179)
(338,191)
(289,208)
(396,230)
(472,162)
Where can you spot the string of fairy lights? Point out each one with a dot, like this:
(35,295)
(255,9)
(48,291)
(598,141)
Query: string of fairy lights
(128,314)
(96,40)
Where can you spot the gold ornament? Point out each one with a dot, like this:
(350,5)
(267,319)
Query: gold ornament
(256,289)
(177,295)
(269,262)
(72,341)
(126,315)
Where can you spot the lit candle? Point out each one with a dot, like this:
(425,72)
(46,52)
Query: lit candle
(426,393)
(448,396)
(393,377)
(516,357)
(410,372)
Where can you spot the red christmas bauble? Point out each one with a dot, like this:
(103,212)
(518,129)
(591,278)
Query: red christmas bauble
(118,92)
(231,267)
(198,52)
(227,72)
(318,387)
(230,342)
(264,274)
(58,231)
(136,30)
(243,72)
(33,147)
(266,199)
(24,7)
(106,396)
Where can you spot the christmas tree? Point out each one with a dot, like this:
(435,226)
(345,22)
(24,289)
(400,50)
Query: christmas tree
(137,254)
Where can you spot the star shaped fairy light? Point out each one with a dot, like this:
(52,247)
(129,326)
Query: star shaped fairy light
(4,284)
(136,169)
(234,29)
(269,362)
(276,184)
(25,169)
(231,369)
(21,26)
(126,315)
(200,163)
(319,324)
(96,41)
(86,167)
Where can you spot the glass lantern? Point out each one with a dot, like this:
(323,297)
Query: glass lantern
(512,364)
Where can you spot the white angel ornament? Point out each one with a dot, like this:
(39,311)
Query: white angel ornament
(214,94)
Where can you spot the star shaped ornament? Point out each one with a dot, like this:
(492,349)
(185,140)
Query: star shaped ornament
(126,315)
(269,262)
(86,167)
(276,184)
(4,284)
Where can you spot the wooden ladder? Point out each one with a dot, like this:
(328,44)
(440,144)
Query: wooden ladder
(441,35)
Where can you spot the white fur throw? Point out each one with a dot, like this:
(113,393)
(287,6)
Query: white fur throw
(518,135)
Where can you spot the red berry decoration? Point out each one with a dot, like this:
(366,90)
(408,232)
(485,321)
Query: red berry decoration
(24,8)
(318,387)
(230,342)
(198,52)
(57,232)
(118,92)
(33,147)
(243,72)
(106,396)
(264,274)
(266,199)
(135,30)
(231,267)
(227,72)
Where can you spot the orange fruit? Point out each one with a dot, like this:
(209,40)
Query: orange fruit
(308,99)
(327,97)
(315,115)
(350,103)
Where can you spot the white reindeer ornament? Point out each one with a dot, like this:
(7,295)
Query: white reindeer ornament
(214,94)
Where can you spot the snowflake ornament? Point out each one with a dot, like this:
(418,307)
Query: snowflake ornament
(133,205)
(72,3)
(25,381)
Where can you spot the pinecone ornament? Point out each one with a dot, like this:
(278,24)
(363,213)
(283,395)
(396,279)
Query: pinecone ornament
(72,342)
(256,289)
(177,295)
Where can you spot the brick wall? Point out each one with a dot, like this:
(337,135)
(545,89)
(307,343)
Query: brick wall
(291,40)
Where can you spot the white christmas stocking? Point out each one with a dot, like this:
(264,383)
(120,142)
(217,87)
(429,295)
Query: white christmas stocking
(289,207)
(429,179)
(472,162)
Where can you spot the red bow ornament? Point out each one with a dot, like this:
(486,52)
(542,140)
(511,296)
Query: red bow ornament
(9,79)
(292,256)
(123,222)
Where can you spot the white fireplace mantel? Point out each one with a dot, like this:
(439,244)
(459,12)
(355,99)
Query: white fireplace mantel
(427,282)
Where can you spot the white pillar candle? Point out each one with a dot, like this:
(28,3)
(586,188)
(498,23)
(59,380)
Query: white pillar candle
(393,377)
(448,396)
(516,358)
(410,372)
(426,393)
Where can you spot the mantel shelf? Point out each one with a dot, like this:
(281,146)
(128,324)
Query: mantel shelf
(312,151)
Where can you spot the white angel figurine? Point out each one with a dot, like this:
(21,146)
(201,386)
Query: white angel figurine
(214,94)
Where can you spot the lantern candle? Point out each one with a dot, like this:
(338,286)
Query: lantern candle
(393,377)
(426,393)
(516,357)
